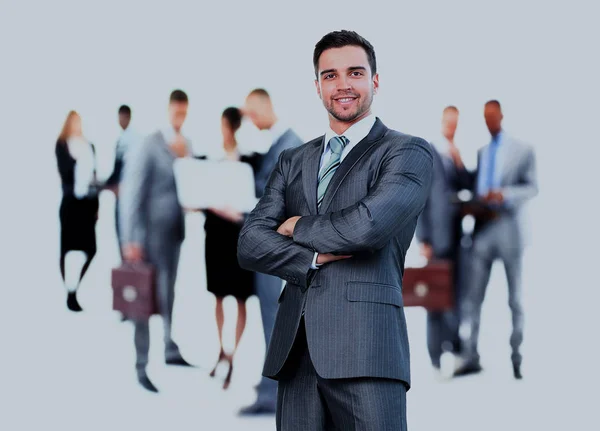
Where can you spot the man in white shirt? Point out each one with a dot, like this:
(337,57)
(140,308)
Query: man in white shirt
(439,232)
(126,142)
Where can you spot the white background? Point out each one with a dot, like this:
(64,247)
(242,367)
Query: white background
(76,371)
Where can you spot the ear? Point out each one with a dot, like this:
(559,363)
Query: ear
(318,88)
(375,83)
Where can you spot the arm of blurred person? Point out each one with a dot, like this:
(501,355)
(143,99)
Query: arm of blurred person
(133,199)
(515,195)
(262,249)
(396,199)
(180,147)
(112,182)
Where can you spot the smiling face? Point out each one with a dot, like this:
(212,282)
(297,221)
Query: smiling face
(346,85)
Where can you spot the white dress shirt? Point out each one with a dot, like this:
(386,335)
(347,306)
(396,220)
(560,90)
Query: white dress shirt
(85,165)
(128,139)
(355,133)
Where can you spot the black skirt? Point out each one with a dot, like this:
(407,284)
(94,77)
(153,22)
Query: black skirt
(78,224)
(224,275)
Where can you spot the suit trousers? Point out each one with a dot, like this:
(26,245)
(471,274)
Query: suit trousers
(268,289)
(118,228)
(443,326)
(307,402)
(165,259)
(489,245)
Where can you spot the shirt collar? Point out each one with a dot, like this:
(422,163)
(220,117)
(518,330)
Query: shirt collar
(169,134)
(442,145)
(498,138)
(355,133)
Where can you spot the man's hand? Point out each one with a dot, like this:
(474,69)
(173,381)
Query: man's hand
(456,158)
(228,214)
(322,259)
(287,228)
(133,253)
(179,147)
(495,196)
(427,251)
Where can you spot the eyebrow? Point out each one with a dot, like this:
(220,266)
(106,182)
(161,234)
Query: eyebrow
(351,68)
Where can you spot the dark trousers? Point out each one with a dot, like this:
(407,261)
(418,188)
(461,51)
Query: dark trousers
(443,326)
(268,289)
(307,402)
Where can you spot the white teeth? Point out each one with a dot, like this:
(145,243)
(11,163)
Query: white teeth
(345,100)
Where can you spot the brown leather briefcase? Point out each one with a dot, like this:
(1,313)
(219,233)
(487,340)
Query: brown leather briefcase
(430,287)
(134,290)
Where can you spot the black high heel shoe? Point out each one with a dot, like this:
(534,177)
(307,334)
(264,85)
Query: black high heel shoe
(227,381)
(222,357)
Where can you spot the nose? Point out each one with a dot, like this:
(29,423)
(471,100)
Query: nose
(343,83)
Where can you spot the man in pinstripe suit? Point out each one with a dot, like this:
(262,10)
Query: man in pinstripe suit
(335,222)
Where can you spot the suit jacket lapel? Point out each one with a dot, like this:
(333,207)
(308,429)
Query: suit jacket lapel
(310,172)
(376,133)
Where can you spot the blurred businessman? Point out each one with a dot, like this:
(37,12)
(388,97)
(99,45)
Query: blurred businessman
(505,180)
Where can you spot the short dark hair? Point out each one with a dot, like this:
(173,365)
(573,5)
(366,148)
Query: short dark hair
(493,102)
(178,96)
(124,109)
(451,108)
(340,39)
(260,92)
(233,116)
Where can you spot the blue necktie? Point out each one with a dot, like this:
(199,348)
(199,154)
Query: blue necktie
(336,145)
(491,177)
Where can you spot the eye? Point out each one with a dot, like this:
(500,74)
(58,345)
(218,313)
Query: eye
(329,76)
(356,73)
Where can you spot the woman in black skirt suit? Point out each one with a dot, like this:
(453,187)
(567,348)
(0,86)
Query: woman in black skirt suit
(224,275)
(76,160)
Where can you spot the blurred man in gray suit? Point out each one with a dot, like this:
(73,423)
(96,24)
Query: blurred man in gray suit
(439,232)
(259,108)
(153,225)
(335,222)
(505,180)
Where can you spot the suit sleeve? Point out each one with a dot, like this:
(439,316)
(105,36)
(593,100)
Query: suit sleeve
(260,247)
(396,199)
(527,188)
(116,172)
(424,223)
(133,192)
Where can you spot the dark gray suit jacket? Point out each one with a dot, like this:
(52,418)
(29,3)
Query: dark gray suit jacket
(440,223)
(354,316)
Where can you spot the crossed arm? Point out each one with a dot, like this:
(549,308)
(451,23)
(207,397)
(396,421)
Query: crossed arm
(395,200)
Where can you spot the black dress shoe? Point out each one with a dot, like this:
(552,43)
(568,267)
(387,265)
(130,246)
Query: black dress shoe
(179,361)
(259,408)
(72,303)
(146,383)
(468,369)
(517,371)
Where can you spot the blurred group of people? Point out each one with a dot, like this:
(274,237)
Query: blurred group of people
(150,227)
(150,221)
(503,181)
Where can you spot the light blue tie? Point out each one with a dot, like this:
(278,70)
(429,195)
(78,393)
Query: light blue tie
(491,177)
(336,144)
